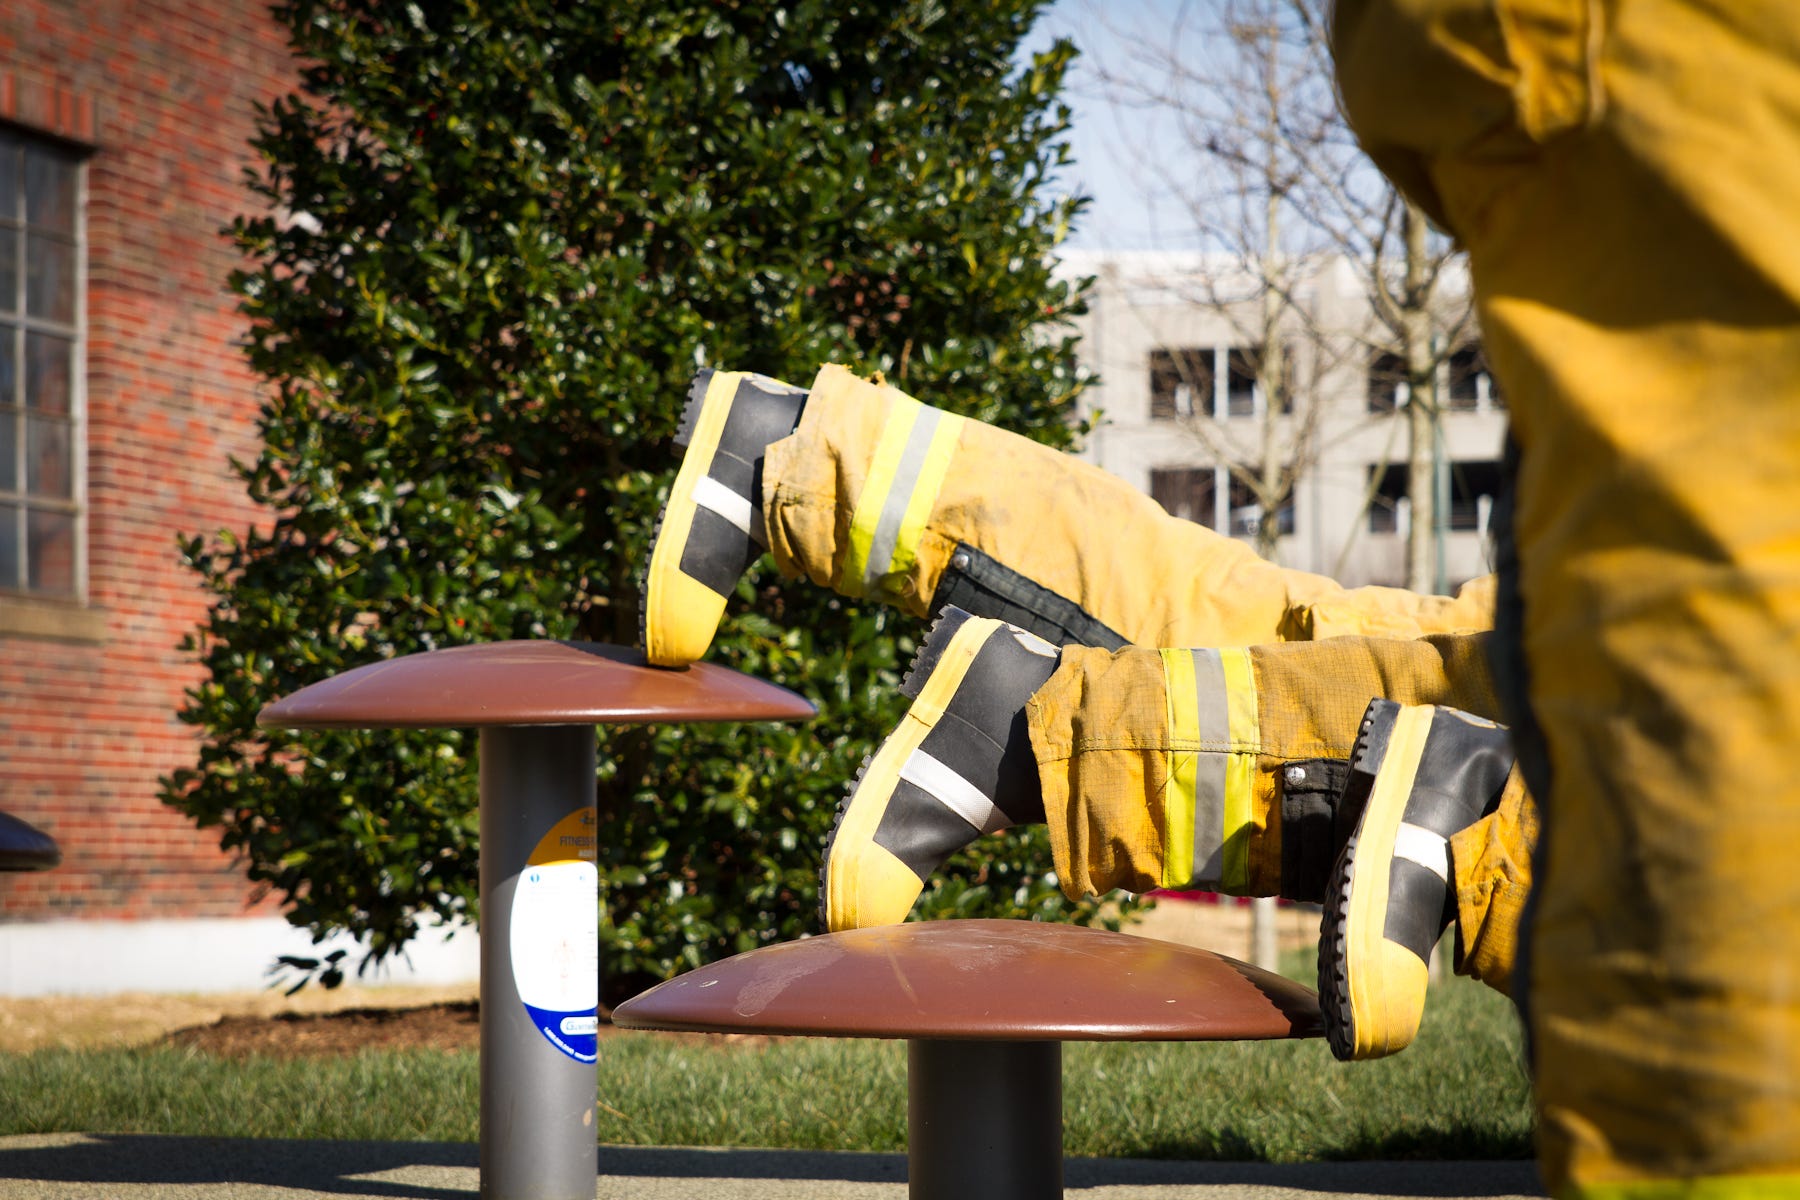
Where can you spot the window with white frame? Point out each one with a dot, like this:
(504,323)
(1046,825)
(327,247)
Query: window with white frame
(1388,389)
(1471,488)
(41,401)
(1181,383)
(1467,383)
(1190,493)
(1471,385)
(1210,381)
(1246,510)
(1388,505)
(1241,390)
(1194,494)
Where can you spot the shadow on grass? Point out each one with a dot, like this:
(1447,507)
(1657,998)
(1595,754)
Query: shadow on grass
(1427,1180)
(448,1171)
(1449,1143)
(1465,1141)
(402,1170)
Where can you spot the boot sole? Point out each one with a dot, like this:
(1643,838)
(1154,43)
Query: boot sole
(931,679)
(1355,968)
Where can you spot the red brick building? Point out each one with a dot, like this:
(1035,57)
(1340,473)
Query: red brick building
(124,131)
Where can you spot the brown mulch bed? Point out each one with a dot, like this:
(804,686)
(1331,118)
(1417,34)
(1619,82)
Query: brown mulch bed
(449,1026)
(303,1035)
(425,1018)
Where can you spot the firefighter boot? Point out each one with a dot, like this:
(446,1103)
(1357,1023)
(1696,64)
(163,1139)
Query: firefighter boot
(1418,775)
(959,765)
(711,527)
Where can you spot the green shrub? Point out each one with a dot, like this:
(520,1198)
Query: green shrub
(522,224)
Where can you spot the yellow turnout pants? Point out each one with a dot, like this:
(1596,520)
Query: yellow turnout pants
(1626,176)
(1160,767)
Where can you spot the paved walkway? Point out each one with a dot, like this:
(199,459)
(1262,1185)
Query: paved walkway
(133,1167)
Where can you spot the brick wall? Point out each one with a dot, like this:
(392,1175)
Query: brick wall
(162,95)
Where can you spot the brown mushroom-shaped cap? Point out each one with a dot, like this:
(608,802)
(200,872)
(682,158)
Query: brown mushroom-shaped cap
(986,980)
(24,847)
(529,683)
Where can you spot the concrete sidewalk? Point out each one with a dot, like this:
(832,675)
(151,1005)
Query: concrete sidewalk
(135,1167)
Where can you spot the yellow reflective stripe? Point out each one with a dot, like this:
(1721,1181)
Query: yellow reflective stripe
(930,481)
(1178,794)
(1209,803)
(869,506)
(1240,768)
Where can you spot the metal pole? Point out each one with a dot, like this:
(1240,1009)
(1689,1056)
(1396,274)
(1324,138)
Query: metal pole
(539,963)
(984,1120)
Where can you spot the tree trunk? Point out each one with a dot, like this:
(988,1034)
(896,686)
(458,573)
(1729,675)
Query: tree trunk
(1276,477)
(1421,409)
(1423,572)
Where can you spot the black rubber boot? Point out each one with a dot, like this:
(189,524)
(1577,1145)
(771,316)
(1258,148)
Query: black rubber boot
(1418,775)
(959,765)
(710,530)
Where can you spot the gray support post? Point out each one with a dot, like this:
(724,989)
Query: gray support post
(538,1140)
(984,1120)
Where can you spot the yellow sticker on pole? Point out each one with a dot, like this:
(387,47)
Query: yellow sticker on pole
(572,839)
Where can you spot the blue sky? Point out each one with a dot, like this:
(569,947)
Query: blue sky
(1123,216)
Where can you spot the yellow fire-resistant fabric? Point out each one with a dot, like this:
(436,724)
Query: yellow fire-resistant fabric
(1183,792)
(1247,823)
(905,472)
(884,465)
(1318,683)
(1322,682)
(1626,176)
(1210,818)
(1096,774)
(1101,735)
(1066,524)
(1491,860)
(1156,580)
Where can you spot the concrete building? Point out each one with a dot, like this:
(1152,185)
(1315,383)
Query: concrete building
(1177,401)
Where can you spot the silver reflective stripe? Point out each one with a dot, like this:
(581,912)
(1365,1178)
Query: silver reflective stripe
(1032,643)
(710,494)
(1428,849)
(953,792)
(1213,729)
(899,496)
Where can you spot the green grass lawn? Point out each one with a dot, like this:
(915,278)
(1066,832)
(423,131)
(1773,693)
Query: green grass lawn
(1459,1092)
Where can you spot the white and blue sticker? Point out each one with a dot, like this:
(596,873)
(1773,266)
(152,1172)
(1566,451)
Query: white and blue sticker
(556,953)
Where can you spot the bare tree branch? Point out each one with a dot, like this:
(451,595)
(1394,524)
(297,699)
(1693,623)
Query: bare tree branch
(1274,190)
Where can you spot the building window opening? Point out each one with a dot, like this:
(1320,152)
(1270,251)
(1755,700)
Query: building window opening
(1388,508)
(1211,382)
(1240,382)
(1246,511)
(1471,384)
(40,373)
(1387,383)
(1181,383)
(1473,486)
(1190,493)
